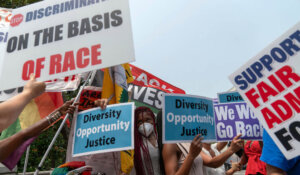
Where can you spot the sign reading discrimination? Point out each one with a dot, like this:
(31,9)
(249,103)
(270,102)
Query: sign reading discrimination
(185,116)
(59,38)
(269,83)
(99,131)
(233,118)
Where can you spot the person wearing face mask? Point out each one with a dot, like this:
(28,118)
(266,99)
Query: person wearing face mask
(147,156)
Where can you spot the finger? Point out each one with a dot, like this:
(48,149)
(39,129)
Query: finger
(97,103)
(32,76)
(236,137)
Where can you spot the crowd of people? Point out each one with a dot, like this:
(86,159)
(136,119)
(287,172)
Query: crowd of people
(151,156)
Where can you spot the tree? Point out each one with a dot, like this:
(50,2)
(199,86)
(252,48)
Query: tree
(16,3)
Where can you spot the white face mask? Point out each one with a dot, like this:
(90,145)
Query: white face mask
(146,129)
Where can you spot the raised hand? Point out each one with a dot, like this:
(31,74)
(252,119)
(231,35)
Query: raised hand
(236,143)
(33,87)
(196,146)
(102,103)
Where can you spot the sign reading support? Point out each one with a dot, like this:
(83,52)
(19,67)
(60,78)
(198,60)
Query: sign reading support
(58,38)
(185,116)
(109,130)
(233,118)
(269,83)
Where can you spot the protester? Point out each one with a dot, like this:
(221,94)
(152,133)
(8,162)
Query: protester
(10,144)
(213,151)
(178,160)
(147,156)
(11,109)
(277,164)
(252,153)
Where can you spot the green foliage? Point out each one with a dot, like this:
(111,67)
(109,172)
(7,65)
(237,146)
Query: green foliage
(56,156)
(16,3)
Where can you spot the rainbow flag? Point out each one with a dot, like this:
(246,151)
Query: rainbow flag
(37,109)
(115,85)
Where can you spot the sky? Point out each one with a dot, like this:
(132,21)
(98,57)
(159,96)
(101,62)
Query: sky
(196,44)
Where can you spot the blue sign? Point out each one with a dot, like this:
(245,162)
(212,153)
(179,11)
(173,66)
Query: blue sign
(230,97)
(186,116)
(99,131)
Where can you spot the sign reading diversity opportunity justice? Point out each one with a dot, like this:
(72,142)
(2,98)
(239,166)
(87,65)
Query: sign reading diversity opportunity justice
(58,38)
(269,83)
(99,131)
(186,116)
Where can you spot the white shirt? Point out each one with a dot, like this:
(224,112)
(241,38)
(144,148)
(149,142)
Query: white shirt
(213,171)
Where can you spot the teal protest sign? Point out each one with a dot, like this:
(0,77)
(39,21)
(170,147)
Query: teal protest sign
(230,97)
(185,116)
(99,131)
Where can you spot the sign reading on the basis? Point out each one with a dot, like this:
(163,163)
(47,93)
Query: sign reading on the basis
(59,38)
(185,116)
(269,83)
(236,118)
(99,131)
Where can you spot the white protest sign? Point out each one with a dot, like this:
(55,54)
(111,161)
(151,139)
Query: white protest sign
(5,15)
(269,83)
(59,38)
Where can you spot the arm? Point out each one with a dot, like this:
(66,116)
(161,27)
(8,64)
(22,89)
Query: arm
(244,159)
(171,160)
(11,109)
(10,144)
(221,145)
(219,160)
(272,170)
(235,167)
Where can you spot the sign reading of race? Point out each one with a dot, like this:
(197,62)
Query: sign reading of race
(269,83)
(60,38)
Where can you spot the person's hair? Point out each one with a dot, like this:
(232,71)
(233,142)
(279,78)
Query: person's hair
(159,142)
(139,146)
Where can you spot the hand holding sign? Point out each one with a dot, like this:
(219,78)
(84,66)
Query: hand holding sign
(68,108)
(196,146)
(236,143)
(33,87)
(102,103)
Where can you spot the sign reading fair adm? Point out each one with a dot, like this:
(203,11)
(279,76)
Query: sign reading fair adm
(185,116)
(269,83)
(58,38)
(99,131)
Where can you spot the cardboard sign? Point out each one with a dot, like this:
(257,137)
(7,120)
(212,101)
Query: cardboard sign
(99,131)
(235,118)
(269,83)
(185,116)
(87,97)
(60,38)
(69,83)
